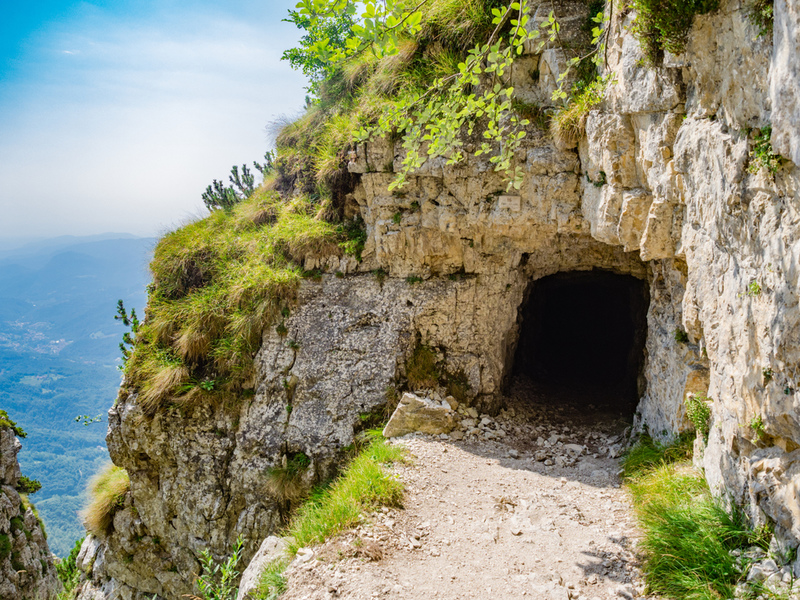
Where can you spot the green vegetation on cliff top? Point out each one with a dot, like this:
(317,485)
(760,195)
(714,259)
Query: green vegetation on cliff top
(217,284)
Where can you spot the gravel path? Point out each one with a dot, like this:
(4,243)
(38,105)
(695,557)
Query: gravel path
(535,511)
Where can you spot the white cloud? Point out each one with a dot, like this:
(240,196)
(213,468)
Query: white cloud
(126,134)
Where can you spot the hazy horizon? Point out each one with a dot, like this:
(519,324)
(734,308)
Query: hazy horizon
(115,116)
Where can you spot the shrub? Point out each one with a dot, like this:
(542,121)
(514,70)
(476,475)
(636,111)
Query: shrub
(216,582)
(757,425)
(421,369)
(107,492)
(5,421)
(664,24)
(26,485)
(761,15)
(5,546)
(67,569)
(762,155)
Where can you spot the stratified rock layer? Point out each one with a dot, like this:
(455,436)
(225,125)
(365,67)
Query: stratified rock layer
(26,565)
(658,187)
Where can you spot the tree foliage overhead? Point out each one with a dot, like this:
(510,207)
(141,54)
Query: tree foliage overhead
(473,97)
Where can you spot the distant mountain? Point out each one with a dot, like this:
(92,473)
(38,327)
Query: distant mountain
(59,355)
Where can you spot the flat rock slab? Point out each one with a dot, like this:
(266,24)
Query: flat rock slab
(425,415)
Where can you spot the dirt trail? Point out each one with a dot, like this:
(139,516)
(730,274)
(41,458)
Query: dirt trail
(535,512)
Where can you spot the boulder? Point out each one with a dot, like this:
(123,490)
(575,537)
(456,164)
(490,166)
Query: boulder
(271,549)
(420,414)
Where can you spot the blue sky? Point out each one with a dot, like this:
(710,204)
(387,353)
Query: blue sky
(115,115)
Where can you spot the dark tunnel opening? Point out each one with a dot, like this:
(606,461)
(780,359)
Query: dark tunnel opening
(581,340)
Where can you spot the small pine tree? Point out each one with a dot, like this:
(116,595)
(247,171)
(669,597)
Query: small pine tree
(128,338)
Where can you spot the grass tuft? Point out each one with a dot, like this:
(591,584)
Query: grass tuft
(107,492)
(569,122)
(363,485)
(688,534)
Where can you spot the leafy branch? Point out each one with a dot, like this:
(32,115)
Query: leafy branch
(432,123)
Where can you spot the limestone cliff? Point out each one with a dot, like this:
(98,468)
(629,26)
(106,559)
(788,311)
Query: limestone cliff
(26,565)
(658,187)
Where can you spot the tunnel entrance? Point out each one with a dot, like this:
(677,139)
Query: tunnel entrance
(581,341)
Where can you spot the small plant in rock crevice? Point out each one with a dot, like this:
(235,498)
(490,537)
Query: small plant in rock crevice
(753,288)
(698,411)
(681,336)
(380,275)
(285,482)
(412,279)
(767,374)
(217,580)
(761,14)
(757,425)
(762,155)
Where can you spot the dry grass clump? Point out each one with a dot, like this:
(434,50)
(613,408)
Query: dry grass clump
(217,284)
(569,122)
(421,370)
(107,492)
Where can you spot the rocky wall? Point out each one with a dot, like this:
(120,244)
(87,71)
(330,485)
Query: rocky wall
(26,564)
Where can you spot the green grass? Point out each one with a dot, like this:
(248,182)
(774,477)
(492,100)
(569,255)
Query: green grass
(363,486)
(272,582)
(218,283)
(107,492)
(688,534)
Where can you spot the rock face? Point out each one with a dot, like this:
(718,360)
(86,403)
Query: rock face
(658,187)
(26,565)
